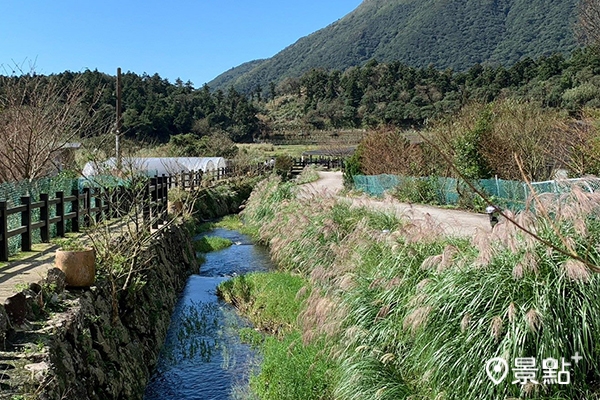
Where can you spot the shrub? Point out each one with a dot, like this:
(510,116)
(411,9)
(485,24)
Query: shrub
(283,166)
(419,190)
(352,167)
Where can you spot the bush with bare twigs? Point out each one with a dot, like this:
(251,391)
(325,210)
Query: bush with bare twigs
(39,117)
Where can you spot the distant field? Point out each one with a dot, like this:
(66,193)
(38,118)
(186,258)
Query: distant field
(270,150)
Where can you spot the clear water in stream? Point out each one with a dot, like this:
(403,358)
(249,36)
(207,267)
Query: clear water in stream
(202,358)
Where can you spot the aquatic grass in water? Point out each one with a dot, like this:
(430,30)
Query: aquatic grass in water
(206,244)
(195,334)
(269,299)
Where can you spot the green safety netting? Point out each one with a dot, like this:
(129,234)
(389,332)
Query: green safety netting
(509,194)
(13,191)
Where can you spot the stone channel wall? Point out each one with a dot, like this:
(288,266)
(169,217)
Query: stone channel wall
(89,352)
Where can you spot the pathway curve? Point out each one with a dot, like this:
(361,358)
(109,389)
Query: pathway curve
(453,222)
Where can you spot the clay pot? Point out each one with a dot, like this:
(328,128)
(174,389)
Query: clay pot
(79,266)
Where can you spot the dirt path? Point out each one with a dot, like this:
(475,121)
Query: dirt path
(453,222)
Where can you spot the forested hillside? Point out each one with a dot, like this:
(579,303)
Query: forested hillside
(155,109)
(398,95)
(448,34)
(376,94)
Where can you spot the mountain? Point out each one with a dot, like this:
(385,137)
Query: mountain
(453,34)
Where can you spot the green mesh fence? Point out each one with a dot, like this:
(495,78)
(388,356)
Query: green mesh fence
(103,181)
(506,194)
(13,191)
(509,194)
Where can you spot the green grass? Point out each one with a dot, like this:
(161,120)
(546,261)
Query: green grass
(266,151)
(308,175)
(294,370)
(206,244)
(269,299)
(234,222)
(291,368)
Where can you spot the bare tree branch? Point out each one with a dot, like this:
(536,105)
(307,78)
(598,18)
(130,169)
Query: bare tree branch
(38,116)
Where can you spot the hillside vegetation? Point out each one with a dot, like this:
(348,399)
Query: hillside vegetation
(446,34)
(560,92)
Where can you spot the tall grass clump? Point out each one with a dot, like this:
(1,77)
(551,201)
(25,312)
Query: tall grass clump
(504,295)
(309,174)
(407,313)
(374,342)
(291,368)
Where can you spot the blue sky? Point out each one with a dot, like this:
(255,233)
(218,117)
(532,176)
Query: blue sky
(193,40)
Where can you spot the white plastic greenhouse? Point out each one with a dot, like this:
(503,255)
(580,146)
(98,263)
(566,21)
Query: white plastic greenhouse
(156,165)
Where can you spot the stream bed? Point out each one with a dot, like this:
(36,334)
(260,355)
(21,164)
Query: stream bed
(202,357)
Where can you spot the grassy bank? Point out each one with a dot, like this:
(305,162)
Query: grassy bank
(405,312)
(291,368)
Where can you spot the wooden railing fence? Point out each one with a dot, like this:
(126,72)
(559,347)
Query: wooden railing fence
(93,205)
(321,161)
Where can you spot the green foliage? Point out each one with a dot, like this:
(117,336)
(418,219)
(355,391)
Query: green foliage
(224,199)
(283,166)
(269,299)
(156,110)
(293,370)
(468,159)
(448,35)
(352,167)
(206,244)
(72,243)
(419,190)
(217,144)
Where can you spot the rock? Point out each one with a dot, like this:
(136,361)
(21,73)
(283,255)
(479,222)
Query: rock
(17,309)
(38,370)
(56,278)
(35,287)
(4,325)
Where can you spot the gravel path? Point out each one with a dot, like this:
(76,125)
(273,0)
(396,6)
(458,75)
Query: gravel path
(453,222)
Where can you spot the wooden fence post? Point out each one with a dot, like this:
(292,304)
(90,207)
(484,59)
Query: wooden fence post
(98,204)
(75,209)
(153,202)
(60,212)
(165,195)
(26,222)
(4,231)
(87,221)
(109,203)
(146,203)
(45,217)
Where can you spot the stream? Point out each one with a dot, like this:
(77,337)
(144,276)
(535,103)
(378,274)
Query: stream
(202,357)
